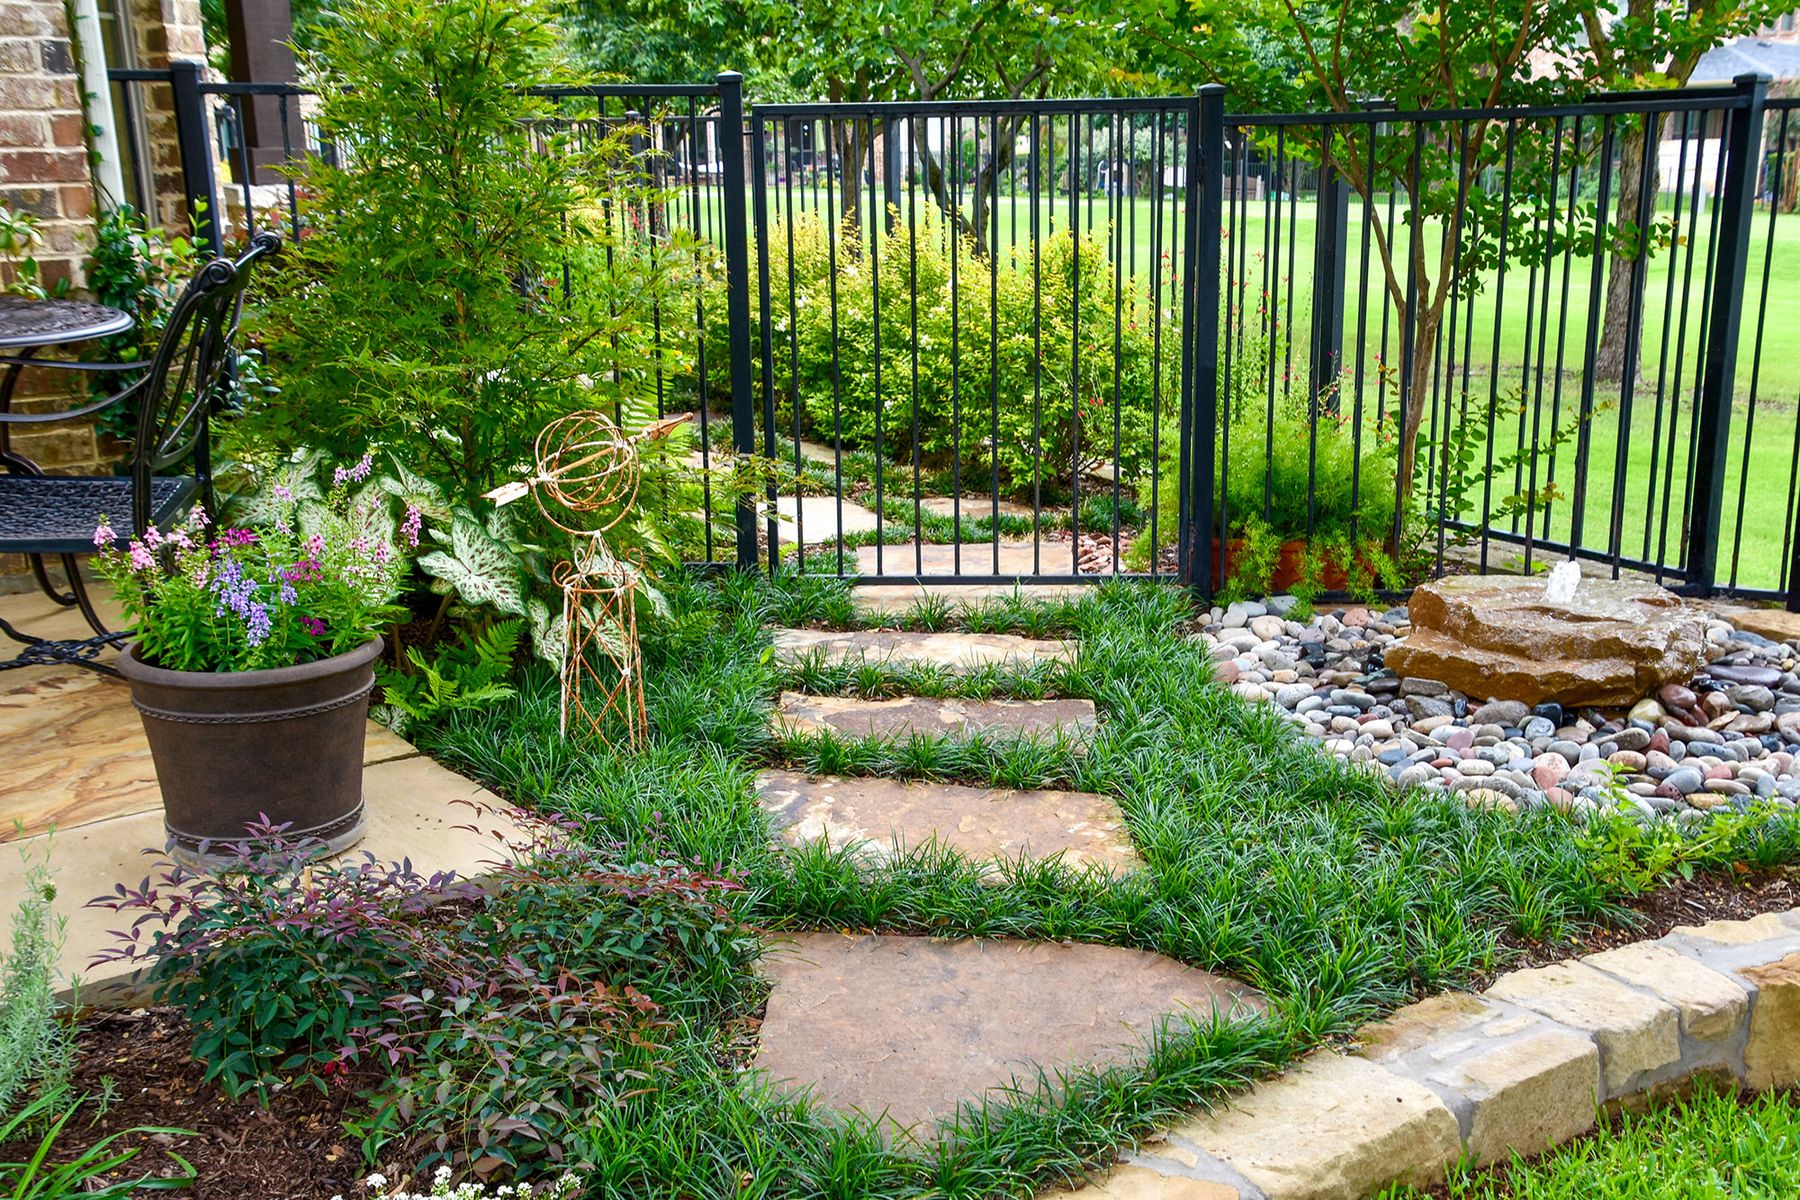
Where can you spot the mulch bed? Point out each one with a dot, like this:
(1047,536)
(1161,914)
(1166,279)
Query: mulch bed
(296,1150)
(1689,902)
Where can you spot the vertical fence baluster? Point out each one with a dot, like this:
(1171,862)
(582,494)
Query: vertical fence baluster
(1737,211)
(1200,326)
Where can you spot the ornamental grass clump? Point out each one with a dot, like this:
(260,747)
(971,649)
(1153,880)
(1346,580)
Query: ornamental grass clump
(202,598)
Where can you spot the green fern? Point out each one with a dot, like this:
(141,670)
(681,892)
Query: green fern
(460,675)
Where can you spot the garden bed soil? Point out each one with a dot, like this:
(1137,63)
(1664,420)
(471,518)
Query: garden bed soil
(296,1150)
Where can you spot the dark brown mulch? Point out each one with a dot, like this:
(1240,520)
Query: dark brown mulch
(1689,902)
(296,1150)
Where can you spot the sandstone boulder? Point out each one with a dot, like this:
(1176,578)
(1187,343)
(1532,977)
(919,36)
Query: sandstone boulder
(1501,637)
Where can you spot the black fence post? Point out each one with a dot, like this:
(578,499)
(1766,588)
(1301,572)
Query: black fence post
(1329,243)
(890,170)
(1200,334)
(198,181)
(737,298)
(1737,206)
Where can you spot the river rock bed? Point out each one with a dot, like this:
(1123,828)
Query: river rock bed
(1726,740)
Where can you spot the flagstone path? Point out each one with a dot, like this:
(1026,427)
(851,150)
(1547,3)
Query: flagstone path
(906,1029)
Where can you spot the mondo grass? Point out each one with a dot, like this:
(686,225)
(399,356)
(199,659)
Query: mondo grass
(1266,860)
(1712,1145)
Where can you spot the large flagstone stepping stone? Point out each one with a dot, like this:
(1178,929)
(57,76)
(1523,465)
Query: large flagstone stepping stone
(974,558)
(852,716)
(974,508)
(878,815)
(951,651)
(892,599)
(816,519)
(907,1028)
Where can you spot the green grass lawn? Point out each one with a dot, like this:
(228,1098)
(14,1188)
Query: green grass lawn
(1711,1146)
(1266,860)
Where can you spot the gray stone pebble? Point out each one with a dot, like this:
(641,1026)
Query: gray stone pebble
(1653,761)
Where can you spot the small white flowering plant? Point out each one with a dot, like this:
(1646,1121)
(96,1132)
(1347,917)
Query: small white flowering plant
(560,1188)
(288,591)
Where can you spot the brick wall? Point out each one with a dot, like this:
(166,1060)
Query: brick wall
(44,171)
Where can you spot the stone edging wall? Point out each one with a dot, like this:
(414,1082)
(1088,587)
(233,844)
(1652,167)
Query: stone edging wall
(1523,1066)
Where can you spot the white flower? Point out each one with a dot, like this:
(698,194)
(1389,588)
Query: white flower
(377,1180)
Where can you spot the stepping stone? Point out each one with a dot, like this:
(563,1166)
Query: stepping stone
(893,599)
(977,558)
(907,1028)
(852,716)
(820,519)
(879,815)
(974,508)
(951,651)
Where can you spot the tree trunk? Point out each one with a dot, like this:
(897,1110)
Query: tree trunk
(1425,333)
(1633,212)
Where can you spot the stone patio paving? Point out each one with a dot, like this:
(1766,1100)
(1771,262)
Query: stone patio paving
(81,789)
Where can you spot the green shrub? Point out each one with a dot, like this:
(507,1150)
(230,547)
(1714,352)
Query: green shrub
(36,1056)
(999,385)
(424,310)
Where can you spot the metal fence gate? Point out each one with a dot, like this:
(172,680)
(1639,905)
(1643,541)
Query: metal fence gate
(1063,340)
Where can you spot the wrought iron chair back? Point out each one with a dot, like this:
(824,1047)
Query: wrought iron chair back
(189,373)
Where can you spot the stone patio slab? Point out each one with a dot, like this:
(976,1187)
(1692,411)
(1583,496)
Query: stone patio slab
(907,1028)
(879,815)
(798,714)
(949,651)
(75,751)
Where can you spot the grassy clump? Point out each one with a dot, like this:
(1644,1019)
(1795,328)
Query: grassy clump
(1267,861)
(1714,1145)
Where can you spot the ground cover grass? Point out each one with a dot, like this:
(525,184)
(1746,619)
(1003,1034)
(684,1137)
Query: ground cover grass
(1713,1145)
(1266,861)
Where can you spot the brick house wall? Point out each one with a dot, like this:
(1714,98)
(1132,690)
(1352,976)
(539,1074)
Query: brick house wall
(45,170)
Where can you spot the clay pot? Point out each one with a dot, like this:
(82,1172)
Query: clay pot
(231,746)
(1288,566)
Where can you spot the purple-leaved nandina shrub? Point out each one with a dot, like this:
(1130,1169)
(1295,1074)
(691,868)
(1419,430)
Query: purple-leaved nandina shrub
(201,598)
(493,1012)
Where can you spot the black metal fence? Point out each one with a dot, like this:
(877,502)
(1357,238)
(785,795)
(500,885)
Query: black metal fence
(1063,340)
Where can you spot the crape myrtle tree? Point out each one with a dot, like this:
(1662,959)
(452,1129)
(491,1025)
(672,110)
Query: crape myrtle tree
(1297,56)
(1648,44)
(874,50)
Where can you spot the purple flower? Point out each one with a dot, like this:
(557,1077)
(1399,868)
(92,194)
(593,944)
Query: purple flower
(410,527)
(104,535)
(237,593)
(283,494)
(141,558)
(313,626)
(355,474)
(238,537)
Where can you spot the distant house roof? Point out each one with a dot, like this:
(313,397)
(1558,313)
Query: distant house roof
(1723,63)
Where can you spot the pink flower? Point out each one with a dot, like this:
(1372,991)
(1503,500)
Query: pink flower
(104,535)
(355,474)
(410,527)
(313,626)
(141,558)
(283,494)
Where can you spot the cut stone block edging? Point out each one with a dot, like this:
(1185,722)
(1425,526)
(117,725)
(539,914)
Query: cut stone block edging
(1523,1067)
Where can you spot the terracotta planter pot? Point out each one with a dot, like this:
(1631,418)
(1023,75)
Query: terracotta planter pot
(1288,565)
(232,745)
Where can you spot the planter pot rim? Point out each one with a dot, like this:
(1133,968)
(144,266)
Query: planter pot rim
(135,668)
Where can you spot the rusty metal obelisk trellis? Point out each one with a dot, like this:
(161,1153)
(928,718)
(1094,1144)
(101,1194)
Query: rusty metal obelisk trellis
(585,465)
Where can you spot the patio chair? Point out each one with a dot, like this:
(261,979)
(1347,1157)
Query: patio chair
(44,515)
